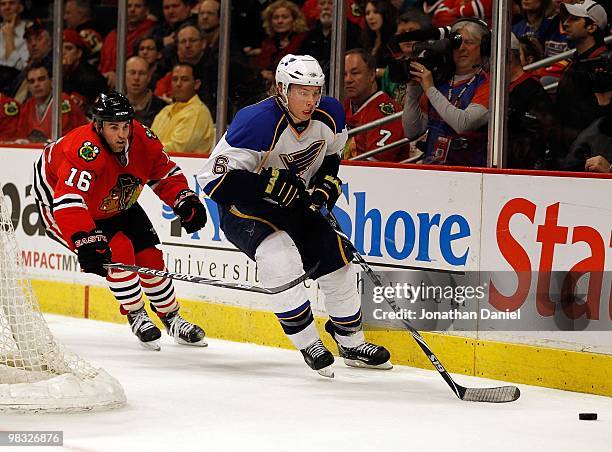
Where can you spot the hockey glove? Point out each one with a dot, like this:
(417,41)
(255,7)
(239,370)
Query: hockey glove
(281,186)
(326,191)
(93,251)
(190,210)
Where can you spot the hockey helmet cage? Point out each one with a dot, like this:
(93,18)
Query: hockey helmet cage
(298,70)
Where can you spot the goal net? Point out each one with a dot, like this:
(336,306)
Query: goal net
(36,373)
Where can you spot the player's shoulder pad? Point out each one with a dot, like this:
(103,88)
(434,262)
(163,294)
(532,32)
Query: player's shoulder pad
(331,113)
(142,131)
(257,127)
(82,147)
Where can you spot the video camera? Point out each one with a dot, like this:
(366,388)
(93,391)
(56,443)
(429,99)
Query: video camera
(433,49)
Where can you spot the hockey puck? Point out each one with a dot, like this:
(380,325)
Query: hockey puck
(587,416)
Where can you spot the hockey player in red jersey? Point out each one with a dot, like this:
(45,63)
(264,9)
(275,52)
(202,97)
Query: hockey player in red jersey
(87,185)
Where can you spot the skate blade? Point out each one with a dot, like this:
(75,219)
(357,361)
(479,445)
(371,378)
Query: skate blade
(326,372)
(360,364)
(200,343)
(151,345)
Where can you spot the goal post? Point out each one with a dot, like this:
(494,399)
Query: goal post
(37,374)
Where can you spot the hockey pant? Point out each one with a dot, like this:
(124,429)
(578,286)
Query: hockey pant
(279,262)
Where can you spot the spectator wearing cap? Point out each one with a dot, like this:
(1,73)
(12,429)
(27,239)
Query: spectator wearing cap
(35,117)
(530,113)
(78,16)
(186,125)
(38,42)
(80,79)
(576,106)
(9,118)
(13,48)
(176,13)
(146,105)
(138,24)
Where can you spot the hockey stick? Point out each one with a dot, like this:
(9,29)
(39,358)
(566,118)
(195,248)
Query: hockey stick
(494,395)
(213,282)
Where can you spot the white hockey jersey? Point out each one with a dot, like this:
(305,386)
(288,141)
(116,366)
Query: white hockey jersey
(264,136)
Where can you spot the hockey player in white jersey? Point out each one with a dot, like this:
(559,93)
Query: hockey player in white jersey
(258,174)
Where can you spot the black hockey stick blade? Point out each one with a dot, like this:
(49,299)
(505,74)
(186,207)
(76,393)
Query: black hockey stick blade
(212,282)
(492,395)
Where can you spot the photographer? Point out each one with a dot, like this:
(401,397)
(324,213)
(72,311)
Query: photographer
(456,111)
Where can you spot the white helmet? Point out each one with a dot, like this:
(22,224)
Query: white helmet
(298,70)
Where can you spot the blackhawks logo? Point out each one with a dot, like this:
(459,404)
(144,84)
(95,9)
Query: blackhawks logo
(386,108)
(123,195)
(11,108)
(88,151)
(65,107)
(149,133)
(355,10)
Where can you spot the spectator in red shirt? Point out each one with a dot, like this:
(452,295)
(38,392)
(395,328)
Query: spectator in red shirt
(77,15)
(364,103)
(137,25)
(35,117)
(286,29)
(9,118)
(444,13)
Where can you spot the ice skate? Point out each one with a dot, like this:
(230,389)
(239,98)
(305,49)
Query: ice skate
(183,332)
(319,358)
(365,355)
(144,329)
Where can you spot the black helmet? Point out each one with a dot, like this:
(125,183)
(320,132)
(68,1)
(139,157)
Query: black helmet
(113,106)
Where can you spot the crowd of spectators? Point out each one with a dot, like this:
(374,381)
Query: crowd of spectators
(173,48)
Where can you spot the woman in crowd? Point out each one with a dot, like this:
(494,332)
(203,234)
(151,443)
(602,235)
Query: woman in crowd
(381,23)
(286,28)
(151,50)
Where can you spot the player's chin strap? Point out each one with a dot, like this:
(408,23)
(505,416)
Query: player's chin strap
(494,395)
(212,282)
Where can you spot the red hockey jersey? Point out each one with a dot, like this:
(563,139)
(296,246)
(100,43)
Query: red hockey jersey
(83,181)
(446,12)
(38,129)
(377,106)
(9,117)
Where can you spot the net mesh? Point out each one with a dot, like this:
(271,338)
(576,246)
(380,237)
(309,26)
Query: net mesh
(37,373)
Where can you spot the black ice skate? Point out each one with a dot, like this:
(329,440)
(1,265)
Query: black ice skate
(144,329)
(366,355)
(319,358)
(182,331)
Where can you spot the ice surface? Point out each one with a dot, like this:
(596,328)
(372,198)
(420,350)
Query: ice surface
(243,397)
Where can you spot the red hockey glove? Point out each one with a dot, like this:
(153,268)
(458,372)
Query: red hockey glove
(190,210)
(93,251)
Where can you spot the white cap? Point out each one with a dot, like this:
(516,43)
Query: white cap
(590,9)
(514,42)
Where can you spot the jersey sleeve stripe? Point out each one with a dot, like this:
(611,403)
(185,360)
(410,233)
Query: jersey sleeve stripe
(210,188)
(42,188)
(326,119)
(278,131)
(69,200)
(173,172)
